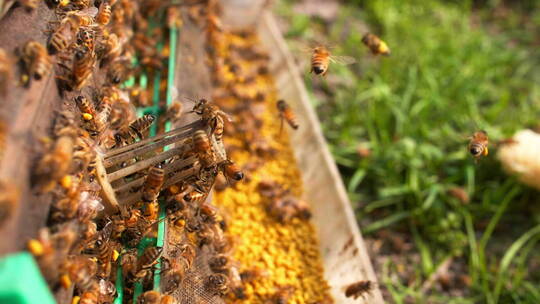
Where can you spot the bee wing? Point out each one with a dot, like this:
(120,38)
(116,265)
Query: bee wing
(90,11)
(344,60)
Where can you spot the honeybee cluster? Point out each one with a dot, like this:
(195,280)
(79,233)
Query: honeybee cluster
(91,50)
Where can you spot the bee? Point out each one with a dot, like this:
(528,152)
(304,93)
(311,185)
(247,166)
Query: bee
(174,112)
(83,17)
(83,64)
(5,72)
(55,164)
(219,263)
(175,271)
(208,213)
(102,118)
(118,71)
(231,171)
(59,3)
(174,17)
(212,115)
(105,251)
(478,145)
(201,143)
(86,107)
(86,37)
(283,294)
(150,257)
(80,270)
(9,199)
(150,297)
(194,196)
(132,235)
(64,35)
(321,58)
(217,284)
(146,262)
(109,48)
(251,275)
(29,5)
(141,98)
(135,130)
(287,114)
(359,289)
(104,13)
(89,297)
(203,148)
(235,283)
(152,184)
(36,60)
(375,45)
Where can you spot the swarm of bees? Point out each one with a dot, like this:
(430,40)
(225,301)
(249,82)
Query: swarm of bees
(84,247)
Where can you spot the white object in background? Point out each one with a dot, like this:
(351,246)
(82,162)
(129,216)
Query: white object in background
(522,157)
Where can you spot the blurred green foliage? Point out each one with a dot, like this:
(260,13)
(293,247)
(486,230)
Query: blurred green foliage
(455,68)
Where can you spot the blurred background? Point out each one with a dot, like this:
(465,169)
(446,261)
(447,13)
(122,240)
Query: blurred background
(440,228)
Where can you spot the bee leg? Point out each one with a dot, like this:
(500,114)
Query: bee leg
(486,151)
(281,124)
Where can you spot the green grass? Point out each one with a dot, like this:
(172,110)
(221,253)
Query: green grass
(449,75)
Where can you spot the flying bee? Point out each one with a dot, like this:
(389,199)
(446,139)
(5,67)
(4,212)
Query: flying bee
(359,289)
(83,63)
(217,283)
(9,199)
(104,13)
(36,60)
(321,58)
(152,184)
(5,72)
(478,145)
(375,45)
(135,130)
(287,114)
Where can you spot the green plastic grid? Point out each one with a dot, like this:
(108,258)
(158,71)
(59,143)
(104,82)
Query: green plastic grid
(156,110)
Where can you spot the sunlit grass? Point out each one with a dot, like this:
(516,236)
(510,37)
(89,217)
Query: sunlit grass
(446,78)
